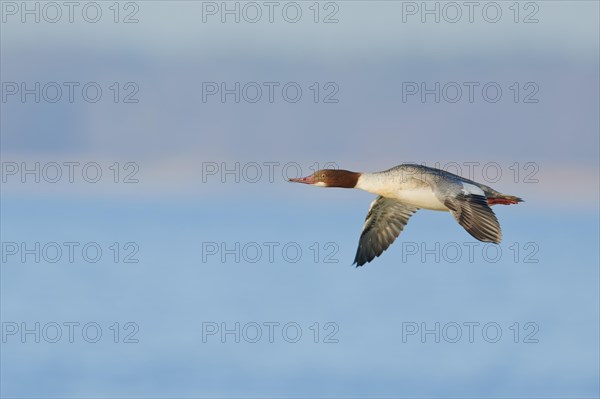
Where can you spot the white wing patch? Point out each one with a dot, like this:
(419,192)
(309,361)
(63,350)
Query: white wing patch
(472,189)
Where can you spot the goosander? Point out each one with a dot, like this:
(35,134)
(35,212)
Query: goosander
(406,188)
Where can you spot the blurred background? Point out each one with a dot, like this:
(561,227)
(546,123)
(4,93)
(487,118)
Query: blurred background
(152,246)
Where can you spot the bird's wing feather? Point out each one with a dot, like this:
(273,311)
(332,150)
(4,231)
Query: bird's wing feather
(468,203)
(385,220)
(474,214)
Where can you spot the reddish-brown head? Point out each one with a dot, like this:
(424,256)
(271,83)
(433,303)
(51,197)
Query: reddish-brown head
(330,178)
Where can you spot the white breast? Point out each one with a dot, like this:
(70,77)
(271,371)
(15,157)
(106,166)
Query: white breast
(422,198)
(419,195)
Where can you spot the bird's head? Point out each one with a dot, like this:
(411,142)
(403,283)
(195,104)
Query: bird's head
(330,178)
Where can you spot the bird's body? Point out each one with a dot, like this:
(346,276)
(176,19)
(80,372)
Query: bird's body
(406,188)
(402,185)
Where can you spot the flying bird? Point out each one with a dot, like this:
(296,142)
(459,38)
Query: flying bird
(403,190)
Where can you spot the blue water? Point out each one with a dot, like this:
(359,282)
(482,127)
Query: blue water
(171,292)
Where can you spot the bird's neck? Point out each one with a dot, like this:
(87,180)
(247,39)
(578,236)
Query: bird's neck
(376,183)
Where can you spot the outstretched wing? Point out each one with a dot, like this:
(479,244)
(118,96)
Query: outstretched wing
(474,214)
(385,220)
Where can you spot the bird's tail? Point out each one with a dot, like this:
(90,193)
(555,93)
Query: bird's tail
(503,200)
